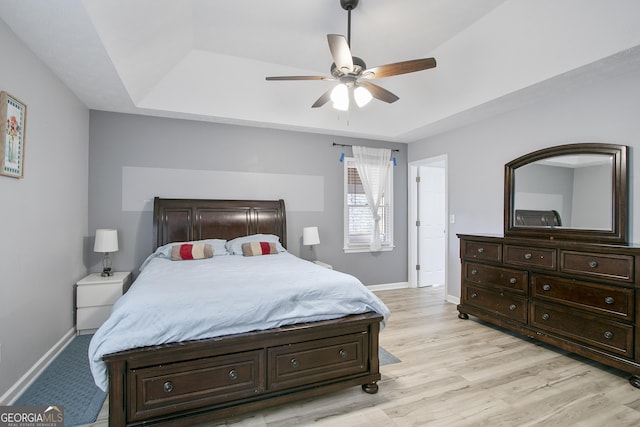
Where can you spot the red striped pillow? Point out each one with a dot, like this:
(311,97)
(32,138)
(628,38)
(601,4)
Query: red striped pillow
(259,248)
(191,251)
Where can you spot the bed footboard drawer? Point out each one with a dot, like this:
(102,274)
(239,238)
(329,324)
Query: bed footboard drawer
(318,360)
(164,389)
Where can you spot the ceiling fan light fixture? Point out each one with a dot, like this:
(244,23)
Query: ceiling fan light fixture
(362,96)
(340,97)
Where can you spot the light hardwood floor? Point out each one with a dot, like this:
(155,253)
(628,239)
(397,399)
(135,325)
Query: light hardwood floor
(464,373)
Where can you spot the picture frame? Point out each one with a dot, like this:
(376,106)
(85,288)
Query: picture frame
(13,123)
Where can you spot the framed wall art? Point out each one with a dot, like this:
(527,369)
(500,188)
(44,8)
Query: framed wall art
(13,121)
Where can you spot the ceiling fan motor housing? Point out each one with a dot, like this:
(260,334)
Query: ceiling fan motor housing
(358,67)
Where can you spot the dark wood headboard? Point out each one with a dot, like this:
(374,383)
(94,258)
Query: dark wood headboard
(180,220)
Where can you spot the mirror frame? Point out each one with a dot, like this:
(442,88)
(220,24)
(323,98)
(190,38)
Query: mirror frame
(619,203)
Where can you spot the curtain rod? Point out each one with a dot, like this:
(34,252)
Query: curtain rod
(348,145)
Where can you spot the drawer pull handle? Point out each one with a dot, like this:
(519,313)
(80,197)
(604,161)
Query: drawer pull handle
(546,287)
(474,295)
(343,353)
(513,280)
(593,264)
(474,272)
(528,256)
(609,300)
(294,362)
(480,250)
(545,316)
(168,387)
(233,374)
(608,335)
(512,307)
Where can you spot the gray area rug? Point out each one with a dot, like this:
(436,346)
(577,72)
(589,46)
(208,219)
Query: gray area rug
(68,382)
(386,358)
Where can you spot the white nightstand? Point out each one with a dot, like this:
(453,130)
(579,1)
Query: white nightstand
(95,296)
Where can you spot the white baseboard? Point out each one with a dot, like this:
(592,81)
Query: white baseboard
(452,299)
(30,376)
(388,286)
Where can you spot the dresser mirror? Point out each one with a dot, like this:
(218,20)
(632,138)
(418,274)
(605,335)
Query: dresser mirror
(575,191)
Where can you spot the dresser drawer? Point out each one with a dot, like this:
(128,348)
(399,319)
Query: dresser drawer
(608,266)
(530,257)
(509,278)
(603,299)
(505,304)
(609,335)
(318,360)
(174,387)
(481,251)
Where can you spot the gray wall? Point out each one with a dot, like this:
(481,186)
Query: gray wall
(43,217)
(545,180)
(606,111)
(592,185)
(121,140)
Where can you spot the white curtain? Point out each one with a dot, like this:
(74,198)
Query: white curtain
(373,167)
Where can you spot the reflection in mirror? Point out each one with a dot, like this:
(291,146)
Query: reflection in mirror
(572,191)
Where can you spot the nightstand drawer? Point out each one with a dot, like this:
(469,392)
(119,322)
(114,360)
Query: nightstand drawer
(95,295)
(92,317)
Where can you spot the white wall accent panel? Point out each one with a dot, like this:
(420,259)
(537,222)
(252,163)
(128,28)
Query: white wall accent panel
(301,193)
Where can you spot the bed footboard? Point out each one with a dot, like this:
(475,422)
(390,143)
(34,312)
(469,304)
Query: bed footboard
(216,378)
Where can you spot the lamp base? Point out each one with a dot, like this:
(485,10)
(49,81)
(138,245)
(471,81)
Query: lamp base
(106,266)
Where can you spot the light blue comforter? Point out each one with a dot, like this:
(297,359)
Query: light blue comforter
(174,301)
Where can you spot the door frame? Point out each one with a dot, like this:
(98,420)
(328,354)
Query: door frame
(412,218)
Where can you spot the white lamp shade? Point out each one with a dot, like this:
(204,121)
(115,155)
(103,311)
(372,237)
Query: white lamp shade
(106,240)
(340,97)
(310,236)
(362,96)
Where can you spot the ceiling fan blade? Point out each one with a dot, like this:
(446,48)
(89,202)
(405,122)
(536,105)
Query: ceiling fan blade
(299,78)
(379,93)
(340,52)
(399,68)
(323,99)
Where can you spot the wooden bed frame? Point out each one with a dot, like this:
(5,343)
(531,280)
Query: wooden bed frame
(187,382)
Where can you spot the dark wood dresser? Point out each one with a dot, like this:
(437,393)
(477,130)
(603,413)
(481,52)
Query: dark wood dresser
(578,296)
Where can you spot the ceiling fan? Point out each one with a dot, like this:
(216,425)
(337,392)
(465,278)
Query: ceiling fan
(353,74)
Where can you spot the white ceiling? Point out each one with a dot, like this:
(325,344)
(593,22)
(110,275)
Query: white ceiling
(208,59)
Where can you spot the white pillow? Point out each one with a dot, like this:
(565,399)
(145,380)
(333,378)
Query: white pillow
(234,247)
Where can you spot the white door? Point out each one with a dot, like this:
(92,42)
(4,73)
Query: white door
(433,226)
(428,226)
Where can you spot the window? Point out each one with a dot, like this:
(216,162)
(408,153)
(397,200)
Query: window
(358,221)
